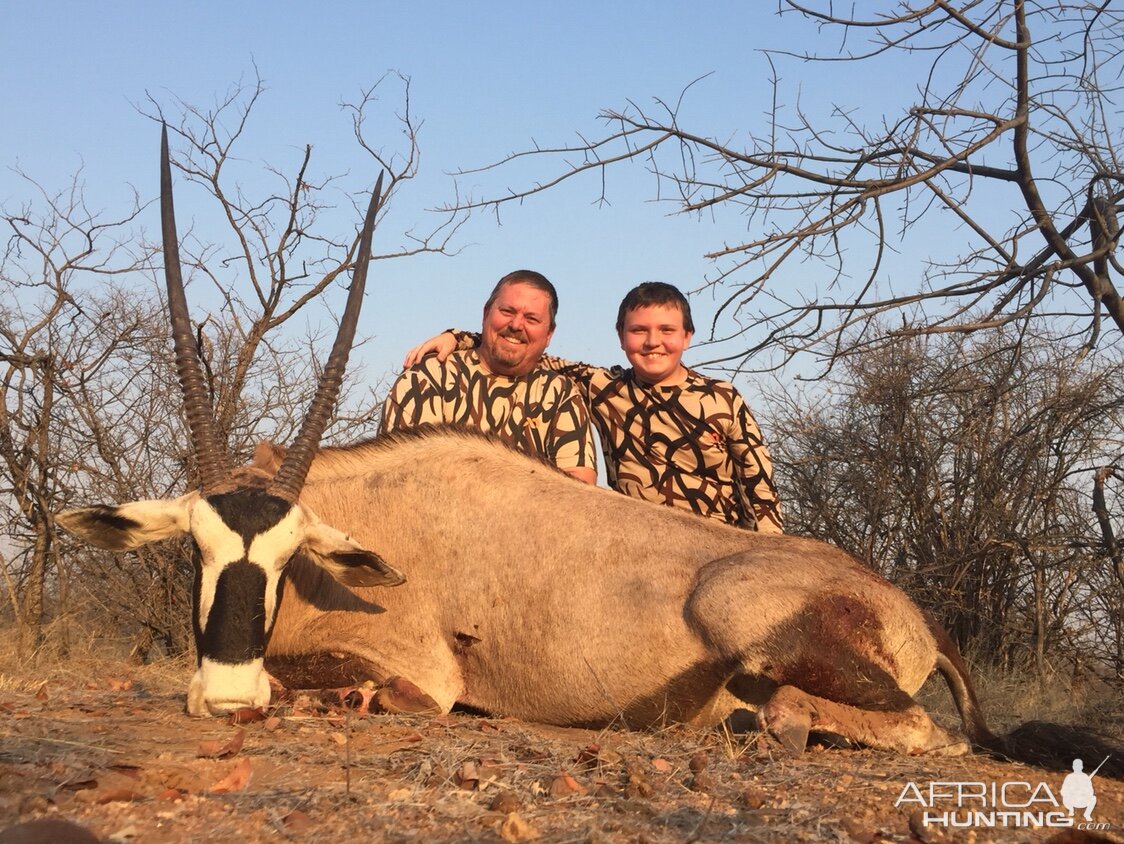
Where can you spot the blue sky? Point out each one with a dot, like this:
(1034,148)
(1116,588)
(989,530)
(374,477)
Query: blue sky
(487,78)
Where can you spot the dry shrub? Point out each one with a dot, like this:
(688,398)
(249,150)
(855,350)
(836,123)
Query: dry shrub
(1010,698)
(75,654)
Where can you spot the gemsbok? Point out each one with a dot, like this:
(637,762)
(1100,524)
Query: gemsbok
(529,594)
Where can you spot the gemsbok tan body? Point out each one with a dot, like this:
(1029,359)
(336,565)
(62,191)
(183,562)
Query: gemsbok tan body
(535,596)
(529,594)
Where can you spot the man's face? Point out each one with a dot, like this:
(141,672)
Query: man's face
(516,330)
(653,339)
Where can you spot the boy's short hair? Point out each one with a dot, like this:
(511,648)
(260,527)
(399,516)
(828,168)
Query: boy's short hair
(655,293)
(532,279)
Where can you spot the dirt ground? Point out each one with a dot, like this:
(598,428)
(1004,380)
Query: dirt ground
(119,756)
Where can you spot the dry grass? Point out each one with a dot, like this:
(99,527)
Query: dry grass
(71,656)
(107,743)
(1009,699)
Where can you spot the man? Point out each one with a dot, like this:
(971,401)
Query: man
(1077,790)
(669,434)
(501,387)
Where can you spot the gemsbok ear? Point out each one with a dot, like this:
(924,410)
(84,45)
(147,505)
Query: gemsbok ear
(347,561)
(127,526)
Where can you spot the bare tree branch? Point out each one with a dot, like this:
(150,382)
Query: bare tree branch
(1009,95)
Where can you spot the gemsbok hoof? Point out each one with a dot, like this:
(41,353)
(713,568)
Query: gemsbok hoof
(787,720)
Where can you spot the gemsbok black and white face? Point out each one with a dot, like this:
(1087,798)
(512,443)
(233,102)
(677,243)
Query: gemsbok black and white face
(245,528)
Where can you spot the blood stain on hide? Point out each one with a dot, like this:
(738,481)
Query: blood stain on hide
(843,656)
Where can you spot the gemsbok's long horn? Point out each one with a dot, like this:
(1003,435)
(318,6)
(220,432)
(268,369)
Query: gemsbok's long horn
(290,477)
(210,452)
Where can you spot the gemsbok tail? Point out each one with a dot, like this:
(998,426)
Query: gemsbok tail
(1040,743)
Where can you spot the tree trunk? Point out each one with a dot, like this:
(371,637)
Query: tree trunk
(1039,620)
(34,602)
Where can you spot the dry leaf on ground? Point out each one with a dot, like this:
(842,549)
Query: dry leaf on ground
(245,715)
(566,786)
(222,748)
(236,780)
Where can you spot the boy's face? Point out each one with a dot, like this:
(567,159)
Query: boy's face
(653,339)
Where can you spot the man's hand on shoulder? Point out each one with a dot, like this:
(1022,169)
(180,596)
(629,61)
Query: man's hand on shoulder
(444,344)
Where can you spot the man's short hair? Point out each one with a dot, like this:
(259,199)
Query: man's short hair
(655,293)
(533,279)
